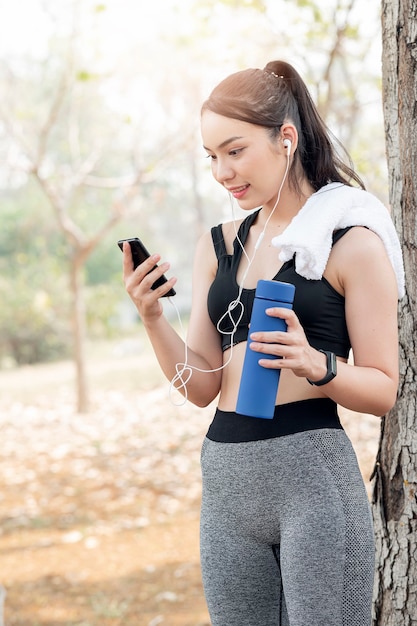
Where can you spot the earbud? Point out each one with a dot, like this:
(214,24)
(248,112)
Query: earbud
(287,145)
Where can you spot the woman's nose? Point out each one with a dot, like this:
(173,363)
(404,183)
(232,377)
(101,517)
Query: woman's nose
(222,171)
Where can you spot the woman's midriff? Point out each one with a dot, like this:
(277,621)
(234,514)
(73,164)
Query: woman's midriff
(291,388)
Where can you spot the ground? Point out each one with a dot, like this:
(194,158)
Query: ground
(99,512)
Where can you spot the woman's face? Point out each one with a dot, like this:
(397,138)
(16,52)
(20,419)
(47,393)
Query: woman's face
(244,159)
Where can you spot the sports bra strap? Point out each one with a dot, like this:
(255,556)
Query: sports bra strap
(218,241)
(338,234)
(218,238)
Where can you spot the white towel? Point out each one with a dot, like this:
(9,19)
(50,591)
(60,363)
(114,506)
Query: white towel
(336,206)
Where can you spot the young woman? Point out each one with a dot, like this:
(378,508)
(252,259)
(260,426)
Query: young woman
(286,531)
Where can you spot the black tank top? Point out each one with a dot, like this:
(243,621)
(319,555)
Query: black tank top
(319,307)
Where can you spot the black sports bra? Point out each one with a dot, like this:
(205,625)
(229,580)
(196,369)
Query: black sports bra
(319,307)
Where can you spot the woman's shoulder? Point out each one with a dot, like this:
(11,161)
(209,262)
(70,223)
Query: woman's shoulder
(237,228)
(360,257)
(359,241)
(222,234)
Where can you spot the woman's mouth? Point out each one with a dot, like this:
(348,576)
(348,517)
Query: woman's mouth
(239,192)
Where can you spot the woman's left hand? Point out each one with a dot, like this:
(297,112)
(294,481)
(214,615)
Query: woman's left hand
(291,348)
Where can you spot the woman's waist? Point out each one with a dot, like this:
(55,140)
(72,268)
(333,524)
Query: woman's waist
(288,419)
(291,388)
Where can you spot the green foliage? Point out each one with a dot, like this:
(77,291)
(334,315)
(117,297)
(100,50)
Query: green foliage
(33,324)
(33,291)
(84,76)
(102,302)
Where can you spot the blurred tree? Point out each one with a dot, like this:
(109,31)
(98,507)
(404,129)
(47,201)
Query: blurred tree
(395,486)
(33,315)
(70,141)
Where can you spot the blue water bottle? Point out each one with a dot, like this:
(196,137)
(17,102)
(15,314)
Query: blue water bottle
(258,385)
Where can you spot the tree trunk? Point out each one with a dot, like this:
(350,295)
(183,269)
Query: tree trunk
(395,483)
(79,333)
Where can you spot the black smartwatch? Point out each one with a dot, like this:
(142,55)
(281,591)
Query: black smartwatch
(331,363)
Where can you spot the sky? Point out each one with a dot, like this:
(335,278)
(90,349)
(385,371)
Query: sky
(25,24)
(124,41)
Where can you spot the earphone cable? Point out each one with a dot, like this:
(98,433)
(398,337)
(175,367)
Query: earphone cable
(186,369)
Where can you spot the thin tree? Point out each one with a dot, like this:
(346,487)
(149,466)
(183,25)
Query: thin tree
(395,484)
(65,178)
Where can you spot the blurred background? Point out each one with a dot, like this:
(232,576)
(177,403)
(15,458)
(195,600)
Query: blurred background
(99,140)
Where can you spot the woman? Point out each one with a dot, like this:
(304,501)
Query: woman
(286,532)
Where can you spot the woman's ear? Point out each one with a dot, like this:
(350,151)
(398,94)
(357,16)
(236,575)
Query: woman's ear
(289,137)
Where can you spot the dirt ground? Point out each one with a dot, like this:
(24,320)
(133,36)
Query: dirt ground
(99,513)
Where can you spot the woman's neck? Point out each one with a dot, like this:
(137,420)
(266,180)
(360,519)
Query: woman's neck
(290,203)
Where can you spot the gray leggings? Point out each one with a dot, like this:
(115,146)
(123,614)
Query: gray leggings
(286,532)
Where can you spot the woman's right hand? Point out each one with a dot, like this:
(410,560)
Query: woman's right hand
(138,284)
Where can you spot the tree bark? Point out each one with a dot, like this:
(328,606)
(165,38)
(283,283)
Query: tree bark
(395,482)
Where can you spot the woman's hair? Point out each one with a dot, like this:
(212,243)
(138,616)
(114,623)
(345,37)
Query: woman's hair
(273,96)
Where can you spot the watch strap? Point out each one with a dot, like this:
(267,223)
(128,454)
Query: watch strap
(331,364)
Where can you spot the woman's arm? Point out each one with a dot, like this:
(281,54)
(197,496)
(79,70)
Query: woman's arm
(204,350)
(365,275)
(371,295)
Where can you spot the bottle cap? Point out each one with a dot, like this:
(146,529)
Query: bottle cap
(275,290)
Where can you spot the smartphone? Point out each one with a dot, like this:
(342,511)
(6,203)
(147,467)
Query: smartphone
(140,254)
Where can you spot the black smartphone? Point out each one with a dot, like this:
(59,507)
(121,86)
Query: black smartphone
(140,254)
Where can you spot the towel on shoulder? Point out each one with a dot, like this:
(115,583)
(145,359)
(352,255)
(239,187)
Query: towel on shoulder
(336,206)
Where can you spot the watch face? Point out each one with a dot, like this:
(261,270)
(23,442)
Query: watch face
(333,364)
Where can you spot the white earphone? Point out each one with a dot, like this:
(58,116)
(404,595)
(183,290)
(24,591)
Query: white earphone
(287,145)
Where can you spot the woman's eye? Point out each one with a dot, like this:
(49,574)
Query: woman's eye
(232,153)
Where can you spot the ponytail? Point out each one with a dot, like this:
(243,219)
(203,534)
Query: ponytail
(317,153)
(277,94)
